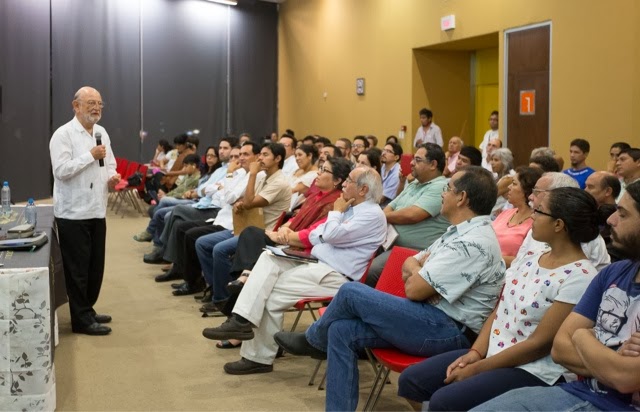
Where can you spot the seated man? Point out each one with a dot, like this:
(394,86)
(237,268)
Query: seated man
(451,288)
(390,171)
(469,156)
(628,167)
(600,340)
(343,245)
(415,213)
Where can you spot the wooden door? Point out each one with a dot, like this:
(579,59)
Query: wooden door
(528,64)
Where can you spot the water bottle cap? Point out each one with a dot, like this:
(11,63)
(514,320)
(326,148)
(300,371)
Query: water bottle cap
(6,183)
(30,200)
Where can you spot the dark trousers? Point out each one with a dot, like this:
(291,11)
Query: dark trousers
(192,270)
(82,244)
(251,243)
(424,382)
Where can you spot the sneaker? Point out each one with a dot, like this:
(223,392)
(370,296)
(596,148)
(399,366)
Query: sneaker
(246,367)
(230,329)
(143,236)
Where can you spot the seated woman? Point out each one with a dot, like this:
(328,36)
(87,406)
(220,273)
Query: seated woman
(502,165)
(306,158)
(160,156)
(371,158)
(512,225)
(513,347)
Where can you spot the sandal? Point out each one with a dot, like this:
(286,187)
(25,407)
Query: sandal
(225,344)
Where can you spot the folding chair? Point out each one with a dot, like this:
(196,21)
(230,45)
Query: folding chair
(121,196)
(133,193)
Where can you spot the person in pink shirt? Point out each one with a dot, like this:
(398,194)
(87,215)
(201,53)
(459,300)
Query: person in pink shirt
(512,225)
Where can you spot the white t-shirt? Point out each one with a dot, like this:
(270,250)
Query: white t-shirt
(528,293)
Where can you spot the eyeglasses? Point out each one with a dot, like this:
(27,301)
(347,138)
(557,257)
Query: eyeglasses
(357,145)
(324,170)
(446,188)
(93,103)
(389,151)
(349,180)
(540,212)
(420,160)
(538,191)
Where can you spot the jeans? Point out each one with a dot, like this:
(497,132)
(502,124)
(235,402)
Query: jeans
(361,317)
(424,381)
(222,260)
(205,248)
(552,398)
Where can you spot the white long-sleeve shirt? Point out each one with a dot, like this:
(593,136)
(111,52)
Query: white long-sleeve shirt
(80,185)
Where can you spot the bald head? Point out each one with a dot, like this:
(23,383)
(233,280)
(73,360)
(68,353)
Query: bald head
(87,105)
(603,186)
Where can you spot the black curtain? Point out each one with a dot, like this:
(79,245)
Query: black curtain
(184,69)
(254,69)
(96,43)
(24,98)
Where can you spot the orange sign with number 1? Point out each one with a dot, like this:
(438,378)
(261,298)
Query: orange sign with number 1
(527,102)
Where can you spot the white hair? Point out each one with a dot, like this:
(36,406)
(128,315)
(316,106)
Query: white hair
(560,180)
(543,151)
(372,179)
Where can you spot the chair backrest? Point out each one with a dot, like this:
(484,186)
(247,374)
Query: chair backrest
(405,163)
(121,166)
(143,171)
(391,277)
(132,167)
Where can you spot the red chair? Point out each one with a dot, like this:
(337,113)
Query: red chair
(405,163)
(390,359)
(134,193)
(121,195)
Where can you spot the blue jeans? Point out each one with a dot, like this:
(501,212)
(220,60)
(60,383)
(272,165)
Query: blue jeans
(222,260)
(205,246)
(424,381)
(361,317)
(552,398)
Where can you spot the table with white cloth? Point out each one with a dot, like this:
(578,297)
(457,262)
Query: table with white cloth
(31,287)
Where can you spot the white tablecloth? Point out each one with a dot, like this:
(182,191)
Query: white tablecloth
(27,376)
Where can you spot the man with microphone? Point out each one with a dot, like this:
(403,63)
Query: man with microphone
(83,168)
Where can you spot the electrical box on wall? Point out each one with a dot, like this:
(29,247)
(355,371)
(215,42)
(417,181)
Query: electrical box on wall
(448,22)
(360,86)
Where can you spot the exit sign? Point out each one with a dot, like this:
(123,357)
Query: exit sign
(527,102)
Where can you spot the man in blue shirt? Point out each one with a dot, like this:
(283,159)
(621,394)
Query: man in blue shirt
(600,340)
(578,153)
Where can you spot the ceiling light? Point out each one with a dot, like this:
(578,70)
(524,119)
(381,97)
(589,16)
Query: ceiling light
(227,2)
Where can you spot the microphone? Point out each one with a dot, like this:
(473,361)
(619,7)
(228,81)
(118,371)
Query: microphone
(99,142)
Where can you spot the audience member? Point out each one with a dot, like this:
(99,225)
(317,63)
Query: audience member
(512,225)
(415,213)
(160,156)
(455,144)
(578,153)
(290,162)
(343,246)
(595,251)
(390,171)
(614,152)
(271,193)
(211,162)
(501,166)
(322,142)
(492,146)
(326,152)
(392,139)
(246,137)
(604,187)
(546,163)
(307,159)
(359,145)
(344,145)
(370,158)
(599,340)
(462,271)
(428,132)
(492,133)
(548,152)
(513,347)
(373,140)
(309,140)
(468,156)
(628,166)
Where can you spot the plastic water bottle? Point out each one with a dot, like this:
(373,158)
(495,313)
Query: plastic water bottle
(30,213)
(6,199)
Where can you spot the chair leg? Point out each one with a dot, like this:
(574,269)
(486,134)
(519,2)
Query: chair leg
(377,388)
(315,372)
(322,381)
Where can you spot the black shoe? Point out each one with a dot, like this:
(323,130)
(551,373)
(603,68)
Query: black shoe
(178,285)
(246,367)
(211,307)
(296,344)
(235,287)
(155,256)
(187,289)
(206,295)
(102,318)
(95,329)
(230,329)
(168,277)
